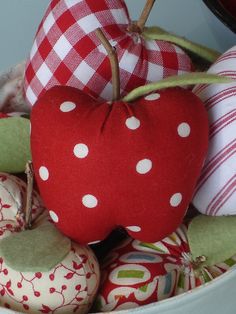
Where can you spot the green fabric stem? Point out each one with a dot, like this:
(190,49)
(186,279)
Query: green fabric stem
(174,81)
(158,33)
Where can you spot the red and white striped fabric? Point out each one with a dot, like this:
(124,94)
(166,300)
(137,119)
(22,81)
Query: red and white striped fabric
(216,189)
(66,51)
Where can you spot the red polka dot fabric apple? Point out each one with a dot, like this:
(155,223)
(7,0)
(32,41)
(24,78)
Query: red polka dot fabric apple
(67,52)
(216,189)
(131,162)
(100,165)
(138,273)
(30,281)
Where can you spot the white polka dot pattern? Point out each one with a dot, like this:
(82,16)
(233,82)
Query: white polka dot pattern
(119,165)
(44,173)
(94,242)
(144,166)
(152,97)
(67,106)
(132,123)
(184,129)
(134,228)
(176,199)
(81,150)
(54,216)
(89,201)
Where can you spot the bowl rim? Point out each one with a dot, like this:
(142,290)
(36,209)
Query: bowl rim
(193,293)
(222,14)
(160,305)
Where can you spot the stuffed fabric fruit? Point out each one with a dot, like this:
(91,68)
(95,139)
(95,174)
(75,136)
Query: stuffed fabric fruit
(120,163)
(13,197)
(66,51)
(14,142)
(11,90)
(130,162)
(126,156)
(14,122)
(216,189)
(28,281)
(138,273)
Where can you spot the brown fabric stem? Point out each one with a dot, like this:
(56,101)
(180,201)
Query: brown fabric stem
(29,196)
(111,51)
(145,14)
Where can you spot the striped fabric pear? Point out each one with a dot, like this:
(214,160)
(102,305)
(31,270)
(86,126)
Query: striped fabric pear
(216,189)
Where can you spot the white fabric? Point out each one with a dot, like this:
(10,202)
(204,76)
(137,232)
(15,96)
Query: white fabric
(216,189)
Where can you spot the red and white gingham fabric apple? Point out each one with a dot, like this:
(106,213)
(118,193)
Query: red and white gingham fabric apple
(66,51)
(100,165)
(216,189)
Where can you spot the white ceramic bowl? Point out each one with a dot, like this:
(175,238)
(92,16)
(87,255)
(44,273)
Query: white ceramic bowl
(215,297)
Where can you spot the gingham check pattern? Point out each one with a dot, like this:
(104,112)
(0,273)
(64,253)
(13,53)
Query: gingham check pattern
(66,51)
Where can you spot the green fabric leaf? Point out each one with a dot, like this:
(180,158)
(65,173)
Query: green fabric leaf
(212,237)
(158,33)
(14,144)
(40,249)
(177,80)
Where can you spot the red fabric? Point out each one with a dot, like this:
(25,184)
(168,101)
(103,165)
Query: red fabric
(3,115)
(135,170)
(138,273)
(159,266)
(66,51)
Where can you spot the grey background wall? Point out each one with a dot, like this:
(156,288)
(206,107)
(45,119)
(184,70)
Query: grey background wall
(190,18)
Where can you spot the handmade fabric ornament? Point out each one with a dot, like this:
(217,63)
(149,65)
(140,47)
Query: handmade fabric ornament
(14,142)
(11,90)
(14,125)
(100,164)
(42,271)
(216,189)
(130,162)
(138,273)
(13,198)
(66,50)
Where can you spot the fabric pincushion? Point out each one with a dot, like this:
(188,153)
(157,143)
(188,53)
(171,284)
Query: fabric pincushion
(66,51)
(215,192)
(101,164)
(41,271)
(137,273)
(130,164)
(138,157)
